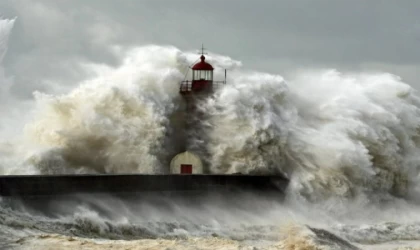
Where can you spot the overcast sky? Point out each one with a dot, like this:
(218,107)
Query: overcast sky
(52,37)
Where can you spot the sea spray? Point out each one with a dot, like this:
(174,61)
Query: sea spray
(334,135)
(113,124)
(337,135)
(13,113)
(250,119)
(6,101)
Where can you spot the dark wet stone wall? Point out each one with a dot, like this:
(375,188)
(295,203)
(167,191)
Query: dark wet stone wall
(35,185)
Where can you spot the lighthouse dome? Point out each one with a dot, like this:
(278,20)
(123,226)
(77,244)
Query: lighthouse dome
(203,65)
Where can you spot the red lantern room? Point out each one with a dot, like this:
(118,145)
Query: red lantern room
(202,78)
(202,75)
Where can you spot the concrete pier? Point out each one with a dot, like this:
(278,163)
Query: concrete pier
(52,185)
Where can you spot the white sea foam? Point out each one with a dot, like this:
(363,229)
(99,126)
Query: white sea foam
(334,134)
(348,142)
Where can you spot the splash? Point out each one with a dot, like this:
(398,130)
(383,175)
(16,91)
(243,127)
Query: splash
(334,135)
(5,83)
(130,224)
(12,115)
(112,124)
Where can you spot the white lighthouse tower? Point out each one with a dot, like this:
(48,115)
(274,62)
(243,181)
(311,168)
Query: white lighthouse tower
(200,86)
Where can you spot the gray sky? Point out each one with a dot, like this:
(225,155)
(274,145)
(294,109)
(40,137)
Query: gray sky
(52,37)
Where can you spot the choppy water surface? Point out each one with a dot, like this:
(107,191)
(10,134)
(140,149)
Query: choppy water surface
(348,142)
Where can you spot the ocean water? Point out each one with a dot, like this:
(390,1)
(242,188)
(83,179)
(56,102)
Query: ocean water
(348,142)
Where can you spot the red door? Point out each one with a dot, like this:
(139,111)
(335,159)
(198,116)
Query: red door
(186,169)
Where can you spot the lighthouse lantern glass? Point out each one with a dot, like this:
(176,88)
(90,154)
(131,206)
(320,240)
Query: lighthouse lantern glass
(203,75)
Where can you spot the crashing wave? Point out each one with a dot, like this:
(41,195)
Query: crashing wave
(333,134)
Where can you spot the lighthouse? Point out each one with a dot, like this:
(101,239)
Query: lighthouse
(201,83)
(194,90)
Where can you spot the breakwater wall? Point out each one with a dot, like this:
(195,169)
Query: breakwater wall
(39,185)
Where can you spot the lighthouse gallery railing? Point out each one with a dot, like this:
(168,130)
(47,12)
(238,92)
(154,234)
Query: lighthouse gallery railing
(186,86)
